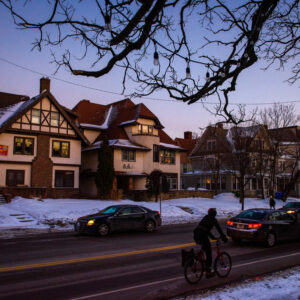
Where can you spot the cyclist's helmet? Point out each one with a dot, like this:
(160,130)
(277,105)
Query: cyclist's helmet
(212,212)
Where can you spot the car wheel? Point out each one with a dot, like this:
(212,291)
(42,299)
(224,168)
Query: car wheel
(103,229)
(270,239)
(149,226)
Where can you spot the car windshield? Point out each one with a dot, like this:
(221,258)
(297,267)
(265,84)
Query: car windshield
(291,204)
(252,214)
(109,210)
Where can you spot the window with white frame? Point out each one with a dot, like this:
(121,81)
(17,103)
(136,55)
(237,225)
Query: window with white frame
(128,155)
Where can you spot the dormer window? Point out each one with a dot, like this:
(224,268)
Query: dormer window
(145,129)
(54,119)
(35,116)
(211,145)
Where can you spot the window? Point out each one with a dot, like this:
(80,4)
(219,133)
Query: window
(211,145)
(155,153)
(23,145)
(145,129)
(167,157)
(64,178)
(54,119)
(172,181)
(35,116)
(128,155)
(60,149)
(14,177)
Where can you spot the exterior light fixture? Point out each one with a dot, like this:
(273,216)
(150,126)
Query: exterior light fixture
(207,77)
(188,70)
(108,23)
(155,56)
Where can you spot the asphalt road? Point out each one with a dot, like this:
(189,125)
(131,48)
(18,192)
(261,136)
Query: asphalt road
(121,266)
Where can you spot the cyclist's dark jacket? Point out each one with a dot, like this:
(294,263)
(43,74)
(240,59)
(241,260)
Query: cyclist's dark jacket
(206,225)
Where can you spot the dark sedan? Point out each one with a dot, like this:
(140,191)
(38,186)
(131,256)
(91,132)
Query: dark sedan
(119,218)
(264,225)
(292,208)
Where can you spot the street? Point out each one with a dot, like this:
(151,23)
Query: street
(131,265)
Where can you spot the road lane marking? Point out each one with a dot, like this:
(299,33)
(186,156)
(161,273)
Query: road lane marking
(177,278)
(86,259)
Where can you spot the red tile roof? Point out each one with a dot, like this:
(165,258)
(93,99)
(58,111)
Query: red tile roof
(123,112)
(187,144)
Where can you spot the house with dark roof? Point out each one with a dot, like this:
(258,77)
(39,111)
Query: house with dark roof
(220,154)
(40,145)
(188,143)
(140,145)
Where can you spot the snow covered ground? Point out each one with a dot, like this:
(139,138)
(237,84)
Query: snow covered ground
(28,215)
(62,213)
(283,285)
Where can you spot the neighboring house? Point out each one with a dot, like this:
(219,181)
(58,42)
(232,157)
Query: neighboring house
(222,155)
(40,146)
(286,157)
(187,143)
(138,141)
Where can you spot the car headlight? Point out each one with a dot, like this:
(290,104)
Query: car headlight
(290,211)
(91,222)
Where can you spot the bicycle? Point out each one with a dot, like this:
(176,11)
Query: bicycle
(195,265)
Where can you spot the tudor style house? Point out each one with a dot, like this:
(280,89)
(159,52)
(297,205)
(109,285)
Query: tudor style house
(221,156)
(40,146)
(139,145)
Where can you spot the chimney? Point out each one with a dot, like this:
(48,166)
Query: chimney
(44,84)
(188,135)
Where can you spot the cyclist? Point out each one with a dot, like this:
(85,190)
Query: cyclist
(202,234)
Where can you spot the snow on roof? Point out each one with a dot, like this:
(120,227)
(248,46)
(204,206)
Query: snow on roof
(104,125)
(116,143)
(170,146)
(8,112)
(127,122)
(91,126)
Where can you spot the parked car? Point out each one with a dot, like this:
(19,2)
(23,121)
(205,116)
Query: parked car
(119,218)
(292,208)
(264,225)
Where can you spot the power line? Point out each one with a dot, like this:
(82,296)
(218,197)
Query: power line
(147,98)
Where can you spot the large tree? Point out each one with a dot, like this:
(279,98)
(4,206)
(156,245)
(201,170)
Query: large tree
(279,115)
(105,172)
(200,47)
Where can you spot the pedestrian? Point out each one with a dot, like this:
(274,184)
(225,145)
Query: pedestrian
(272,202)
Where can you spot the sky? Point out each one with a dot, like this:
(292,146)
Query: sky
(16,59)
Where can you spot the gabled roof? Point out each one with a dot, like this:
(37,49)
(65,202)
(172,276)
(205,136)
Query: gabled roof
(187,144)
(114,117)
(14,109)
(211,132)
(289,134)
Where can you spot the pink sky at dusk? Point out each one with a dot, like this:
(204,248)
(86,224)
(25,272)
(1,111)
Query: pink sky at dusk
(254,86)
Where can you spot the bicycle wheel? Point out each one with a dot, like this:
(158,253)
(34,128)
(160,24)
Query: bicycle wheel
(223,264)
(193,270)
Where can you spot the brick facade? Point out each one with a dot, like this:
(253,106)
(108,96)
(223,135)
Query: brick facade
(41,172)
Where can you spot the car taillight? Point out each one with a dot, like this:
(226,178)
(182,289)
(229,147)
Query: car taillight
(158,212)
(254,226)
(229,223)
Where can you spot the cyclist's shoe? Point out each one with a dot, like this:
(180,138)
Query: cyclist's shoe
(210,274)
